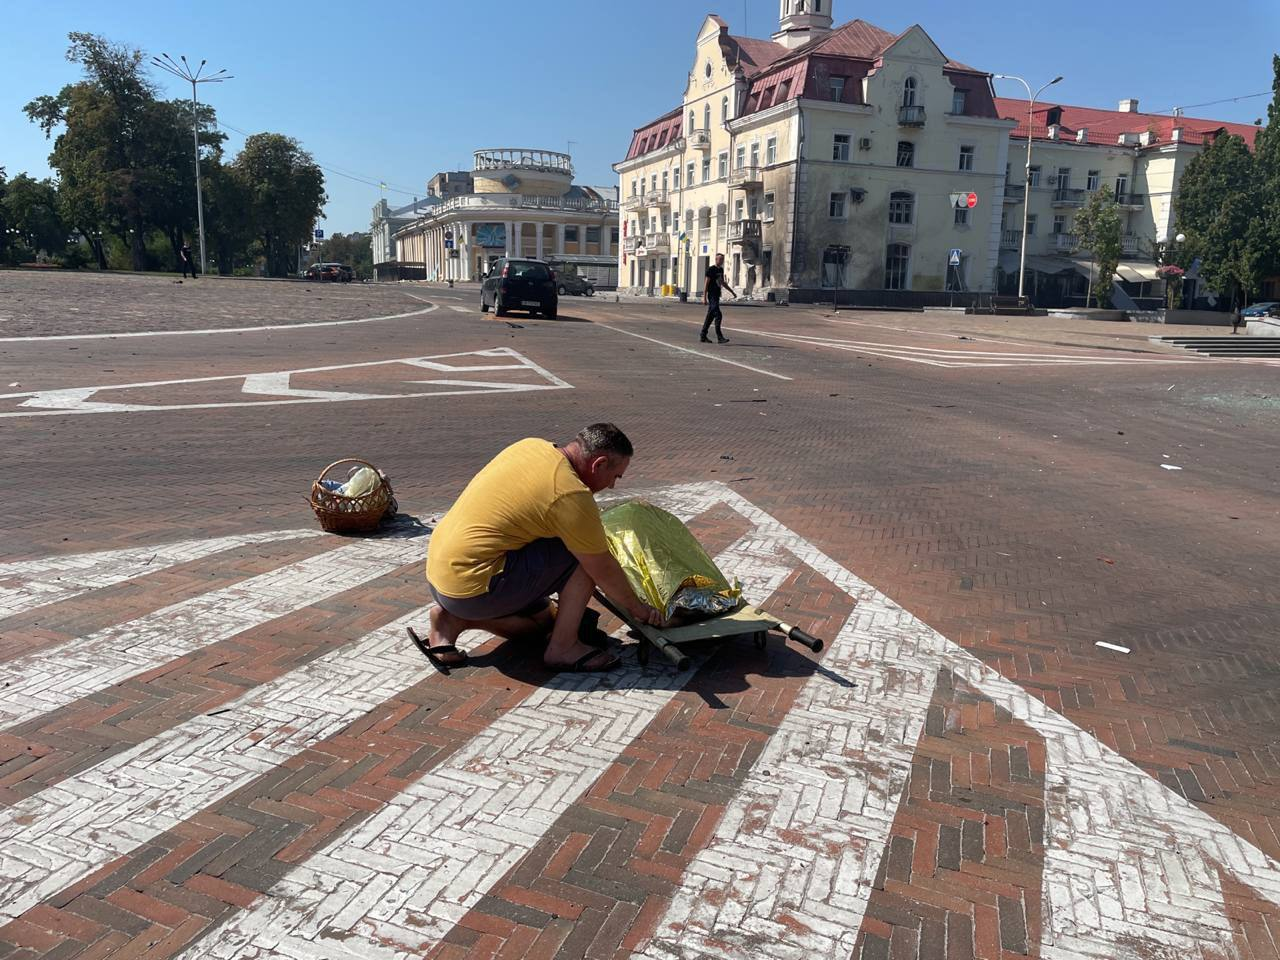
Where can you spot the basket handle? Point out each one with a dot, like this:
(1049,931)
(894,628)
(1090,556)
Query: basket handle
(337,463)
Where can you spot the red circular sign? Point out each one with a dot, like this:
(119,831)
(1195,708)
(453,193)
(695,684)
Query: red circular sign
(972,200)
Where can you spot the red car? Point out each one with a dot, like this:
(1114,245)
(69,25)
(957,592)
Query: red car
(335,272)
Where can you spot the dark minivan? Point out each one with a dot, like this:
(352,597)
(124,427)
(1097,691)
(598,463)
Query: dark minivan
(520,285)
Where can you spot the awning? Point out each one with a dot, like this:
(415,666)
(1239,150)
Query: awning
(1040,264)
(1135,271)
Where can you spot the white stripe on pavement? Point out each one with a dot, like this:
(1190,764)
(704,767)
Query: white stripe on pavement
(28,584)
(65,832)
(696,353)
(399,882)
(61,674)
(212,330)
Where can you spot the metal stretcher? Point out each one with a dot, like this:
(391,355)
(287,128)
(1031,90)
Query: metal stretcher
(742,621)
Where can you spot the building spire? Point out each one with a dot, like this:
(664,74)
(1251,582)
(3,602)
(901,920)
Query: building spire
(800,21)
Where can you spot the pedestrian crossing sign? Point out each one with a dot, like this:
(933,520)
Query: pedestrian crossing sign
(953,258)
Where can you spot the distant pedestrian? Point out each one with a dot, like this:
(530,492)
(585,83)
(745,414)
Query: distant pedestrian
(711,297)
(1236,320)
(188,264)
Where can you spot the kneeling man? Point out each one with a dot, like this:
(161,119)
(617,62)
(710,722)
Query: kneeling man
(527,526)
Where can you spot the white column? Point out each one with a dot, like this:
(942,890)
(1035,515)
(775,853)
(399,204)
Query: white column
(511,237)
(537,253)
(560,239)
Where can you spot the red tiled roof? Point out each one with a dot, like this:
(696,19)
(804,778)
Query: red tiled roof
(1106,126)
(756,55)
(857,38)
(656,135)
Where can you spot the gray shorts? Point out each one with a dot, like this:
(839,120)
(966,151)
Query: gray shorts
(529,576)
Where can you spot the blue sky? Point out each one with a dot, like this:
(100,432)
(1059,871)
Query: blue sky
(396,91)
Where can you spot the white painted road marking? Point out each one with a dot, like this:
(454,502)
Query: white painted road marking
(1131,869)
(28,584)
(213,330)
(942,357)
(696,353)
(64,833)
(77,400)
(58,675)
(398,883)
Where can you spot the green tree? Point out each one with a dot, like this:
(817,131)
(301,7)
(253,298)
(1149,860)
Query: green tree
(31,208)
(1218,208)
(286,195)
(123,156)
(229,231)
(1267,161)
(1098,230)
(352,249)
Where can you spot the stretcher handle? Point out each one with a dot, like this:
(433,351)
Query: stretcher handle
(673,653)
(801,637)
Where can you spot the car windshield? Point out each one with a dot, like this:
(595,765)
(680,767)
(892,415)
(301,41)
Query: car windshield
(528,271)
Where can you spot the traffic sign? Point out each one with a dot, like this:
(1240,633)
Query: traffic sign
(953,258)
(958,199)
(448,239)
(319,234)
(971,201)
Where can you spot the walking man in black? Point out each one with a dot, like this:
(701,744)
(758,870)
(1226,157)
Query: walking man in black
(188,264)
(711,297)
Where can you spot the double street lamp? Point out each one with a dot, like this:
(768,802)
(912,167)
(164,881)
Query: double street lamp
(183,71)
(1026,180)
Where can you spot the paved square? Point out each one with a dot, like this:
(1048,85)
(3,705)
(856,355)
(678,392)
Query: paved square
(217,743)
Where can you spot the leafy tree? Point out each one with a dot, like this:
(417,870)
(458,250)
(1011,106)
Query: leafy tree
(229,232)
(352,249)
(1217,207)
(1098,230)
(286,195)
(31,207)
(1267,161)
(123,156)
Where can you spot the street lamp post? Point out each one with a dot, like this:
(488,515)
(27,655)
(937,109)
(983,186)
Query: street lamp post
(183,71)
(1026,178)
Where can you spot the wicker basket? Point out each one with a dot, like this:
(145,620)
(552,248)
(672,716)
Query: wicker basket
(342,514)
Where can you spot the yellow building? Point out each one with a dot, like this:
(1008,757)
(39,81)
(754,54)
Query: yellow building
(521,203)
(820,158)
(1138,158)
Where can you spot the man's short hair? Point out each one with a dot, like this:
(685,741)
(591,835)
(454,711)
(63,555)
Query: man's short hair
(603,439)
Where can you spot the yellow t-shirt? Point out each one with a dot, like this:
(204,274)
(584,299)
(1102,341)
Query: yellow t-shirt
(527,492)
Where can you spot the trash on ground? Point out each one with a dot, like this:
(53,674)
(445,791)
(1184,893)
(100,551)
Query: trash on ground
(1169,466)
(1112,646)
(1107,560)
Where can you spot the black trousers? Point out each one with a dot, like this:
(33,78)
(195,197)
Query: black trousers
(188,266)
(713,314)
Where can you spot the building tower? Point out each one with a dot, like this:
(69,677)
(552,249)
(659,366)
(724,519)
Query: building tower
(801,21)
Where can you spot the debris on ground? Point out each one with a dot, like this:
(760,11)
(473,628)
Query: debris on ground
(1169,466)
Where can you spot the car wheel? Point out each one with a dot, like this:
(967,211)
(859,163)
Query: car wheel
(560,290)
(550,314)
(498,309)
(590,291)
(484,305)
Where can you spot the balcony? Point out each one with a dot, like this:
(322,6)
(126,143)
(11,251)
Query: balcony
(1065,242)
(1129,245)
(657,242)
(746,178)
(658,198)
(489,203)
(744,231)
(1134,201)
(1013,192)
(636,202)
(1068,197)
(912,116)
(1010,239)
(700,139)
(630,244)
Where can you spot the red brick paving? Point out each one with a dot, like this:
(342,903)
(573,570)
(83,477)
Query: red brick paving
(987,502)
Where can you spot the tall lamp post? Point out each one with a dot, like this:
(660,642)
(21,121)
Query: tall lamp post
(183,71)
(1026,179)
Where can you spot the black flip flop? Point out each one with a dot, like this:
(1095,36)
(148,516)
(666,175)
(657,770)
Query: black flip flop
(580,665)
(589,632)
(433,653)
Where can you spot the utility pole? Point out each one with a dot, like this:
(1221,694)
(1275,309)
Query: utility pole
(193,77)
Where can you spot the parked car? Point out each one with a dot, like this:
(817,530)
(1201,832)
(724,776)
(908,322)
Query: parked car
(569,281)
(333,272)
(520,285)
(1264,309)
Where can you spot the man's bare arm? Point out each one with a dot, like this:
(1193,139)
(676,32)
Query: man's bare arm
(608,576)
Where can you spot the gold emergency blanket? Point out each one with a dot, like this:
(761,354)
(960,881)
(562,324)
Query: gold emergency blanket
(663,562)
